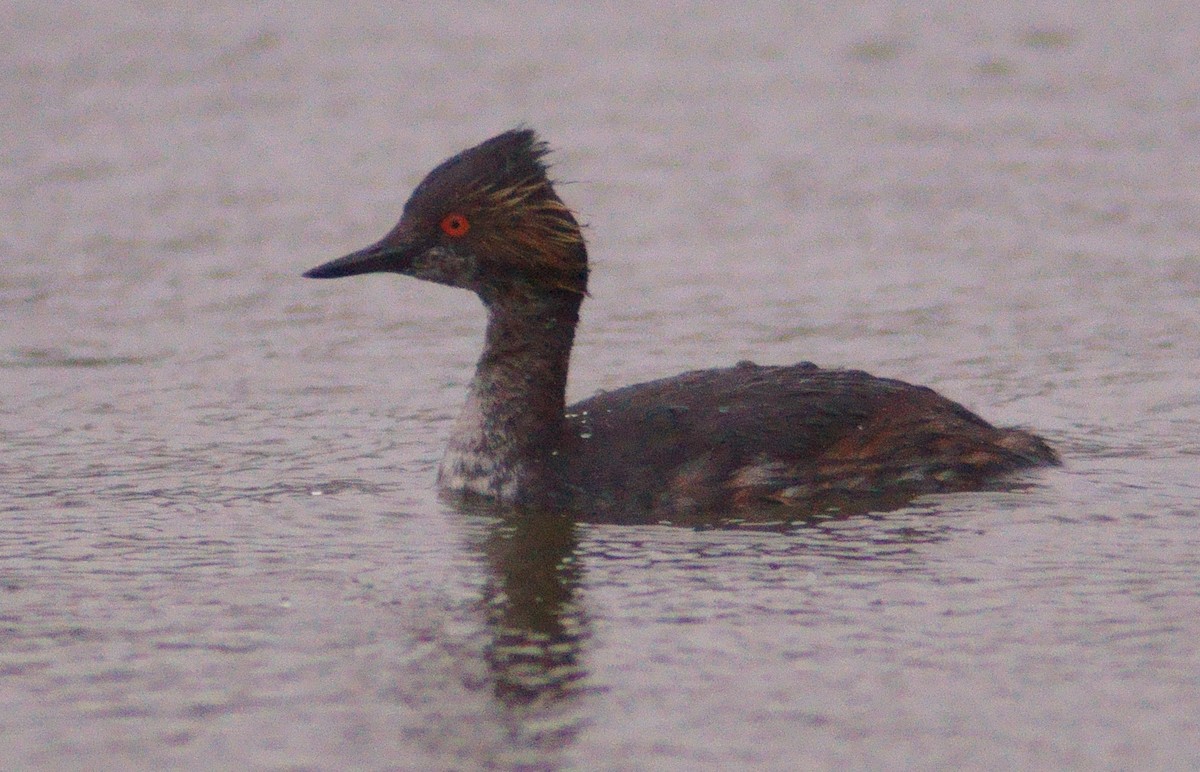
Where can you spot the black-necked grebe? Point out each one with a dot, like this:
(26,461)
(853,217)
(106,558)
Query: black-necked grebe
(723,440)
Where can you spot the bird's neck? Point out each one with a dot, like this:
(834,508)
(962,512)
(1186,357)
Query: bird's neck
(510,429)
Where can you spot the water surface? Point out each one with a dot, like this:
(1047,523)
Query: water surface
(219,544)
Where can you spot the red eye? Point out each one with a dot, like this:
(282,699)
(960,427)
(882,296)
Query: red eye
(455,225)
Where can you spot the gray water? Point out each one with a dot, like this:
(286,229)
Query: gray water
(220,546)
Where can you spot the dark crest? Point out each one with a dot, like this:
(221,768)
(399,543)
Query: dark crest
(512,159)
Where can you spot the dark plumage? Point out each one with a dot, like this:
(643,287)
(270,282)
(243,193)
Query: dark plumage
(715,441)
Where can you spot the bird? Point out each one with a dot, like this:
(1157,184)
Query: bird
(796,440)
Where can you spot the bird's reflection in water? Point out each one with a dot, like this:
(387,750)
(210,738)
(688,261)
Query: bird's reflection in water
(536,625)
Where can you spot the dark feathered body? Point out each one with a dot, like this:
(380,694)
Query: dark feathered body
(711,441)
(752,437)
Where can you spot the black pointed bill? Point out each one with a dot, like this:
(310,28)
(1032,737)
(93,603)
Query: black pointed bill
(378,257)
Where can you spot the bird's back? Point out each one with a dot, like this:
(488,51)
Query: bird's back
(794,436)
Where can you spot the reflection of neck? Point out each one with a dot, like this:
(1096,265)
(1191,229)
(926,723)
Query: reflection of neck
(536,625)
(512,421)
